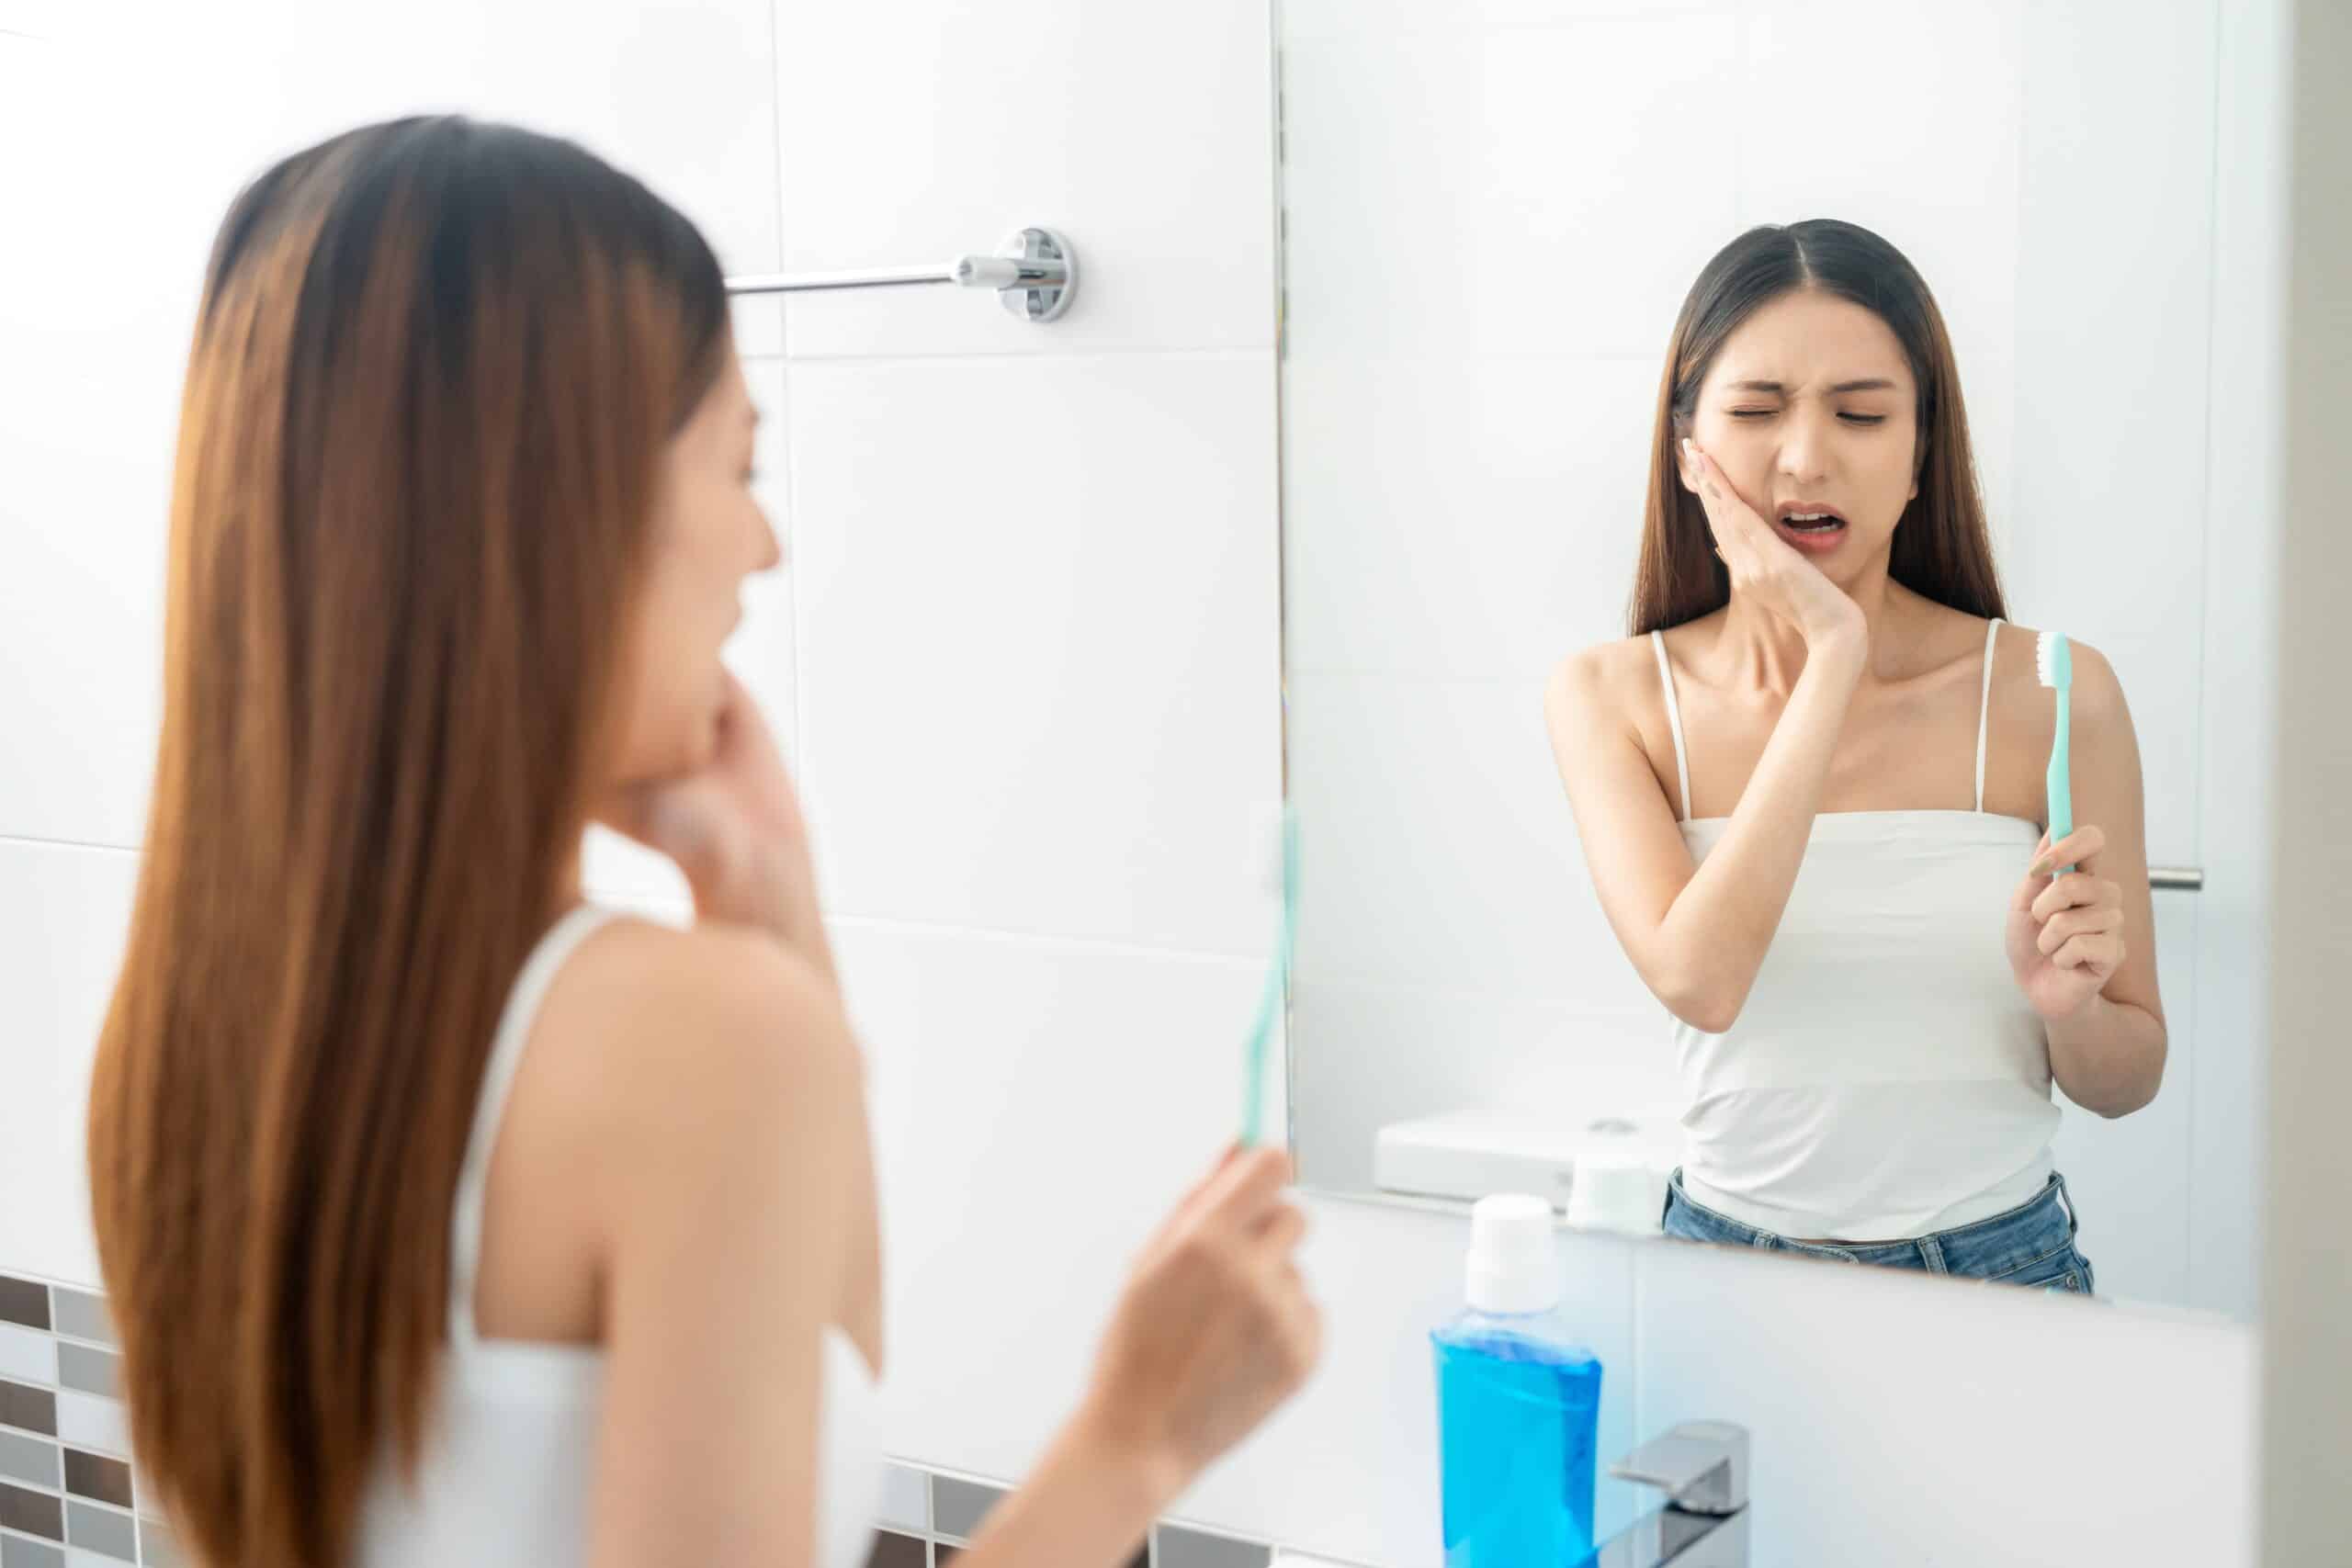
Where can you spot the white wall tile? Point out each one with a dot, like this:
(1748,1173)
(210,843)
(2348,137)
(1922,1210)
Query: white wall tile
(2131,1179)
(1371,1054)
(1901,1419)
(64,913)
(1074,1093)
(1436,847)
(679,92)
(1883,114)
(2238,729)
(1459,516)
(1143,133)
(95,308)
(30,19)
(1039,670)
(1517,207)
(2112,396)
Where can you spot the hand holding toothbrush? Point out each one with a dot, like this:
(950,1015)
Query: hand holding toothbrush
(2065,931)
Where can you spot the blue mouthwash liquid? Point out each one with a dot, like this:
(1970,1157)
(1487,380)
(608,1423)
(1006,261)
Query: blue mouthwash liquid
(1517,1409)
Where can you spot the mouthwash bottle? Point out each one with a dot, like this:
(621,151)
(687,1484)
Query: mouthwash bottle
(1518,1401)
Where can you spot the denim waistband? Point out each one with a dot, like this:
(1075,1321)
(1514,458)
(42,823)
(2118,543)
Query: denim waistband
(1983,1249)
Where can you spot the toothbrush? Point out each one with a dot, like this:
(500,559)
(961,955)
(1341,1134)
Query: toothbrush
(1278,871)
(2056,664)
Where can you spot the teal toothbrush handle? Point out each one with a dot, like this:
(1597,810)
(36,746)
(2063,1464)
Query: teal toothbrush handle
(1277,988)
(2059,787)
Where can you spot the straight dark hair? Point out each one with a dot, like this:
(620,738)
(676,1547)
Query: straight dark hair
(1942,550)
(436,367)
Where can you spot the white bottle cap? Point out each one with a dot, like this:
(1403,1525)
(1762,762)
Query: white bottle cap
(1619,1178)
(1514,1263)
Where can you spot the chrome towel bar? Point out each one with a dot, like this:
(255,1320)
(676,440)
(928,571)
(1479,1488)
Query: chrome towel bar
(1035,274)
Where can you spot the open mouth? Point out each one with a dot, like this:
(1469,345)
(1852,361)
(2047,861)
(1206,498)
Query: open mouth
(1800,518)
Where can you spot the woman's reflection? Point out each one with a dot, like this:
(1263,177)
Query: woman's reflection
(1810,788)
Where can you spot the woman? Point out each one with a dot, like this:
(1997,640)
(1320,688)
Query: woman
(446,1218)
(1810,792)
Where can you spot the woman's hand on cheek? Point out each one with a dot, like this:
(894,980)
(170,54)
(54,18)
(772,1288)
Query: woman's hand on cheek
(1765,567)
(2065,933)
(734,828)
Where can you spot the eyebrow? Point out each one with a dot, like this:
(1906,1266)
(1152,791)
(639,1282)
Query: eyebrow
(1867,384)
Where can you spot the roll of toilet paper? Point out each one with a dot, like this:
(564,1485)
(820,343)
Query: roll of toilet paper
(1620,1179)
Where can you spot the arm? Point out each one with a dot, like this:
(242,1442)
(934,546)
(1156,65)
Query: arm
(1696,935)
(2107,1027)
(707,1451)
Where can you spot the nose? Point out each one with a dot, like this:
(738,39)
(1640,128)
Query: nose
(1805,444)
(768,554)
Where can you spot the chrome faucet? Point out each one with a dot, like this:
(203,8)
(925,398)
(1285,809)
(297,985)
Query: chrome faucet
(1702,1468)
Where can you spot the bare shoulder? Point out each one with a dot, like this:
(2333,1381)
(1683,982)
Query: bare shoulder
(1603,683)
(683,1033)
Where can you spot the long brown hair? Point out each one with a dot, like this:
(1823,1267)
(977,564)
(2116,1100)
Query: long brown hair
(435,368)
(1942,549)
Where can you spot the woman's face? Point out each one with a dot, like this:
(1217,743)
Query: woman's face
(1811,408)
(708,533)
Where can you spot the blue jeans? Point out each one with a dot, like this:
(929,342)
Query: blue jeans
(2031,1245)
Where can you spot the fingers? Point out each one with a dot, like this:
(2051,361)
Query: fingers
(2075,890)
(1239,1192)
(2101,954)
(1716,495)
(2073,850)
(1242,1193)
(2063,928)
(1280,1233)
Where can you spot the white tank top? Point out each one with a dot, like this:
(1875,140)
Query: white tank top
(1887,1077)
(507,1473)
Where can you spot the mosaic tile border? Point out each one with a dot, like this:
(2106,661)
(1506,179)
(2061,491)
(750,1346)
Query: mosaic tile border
(66,1478)
(69,1494)
(928,1516)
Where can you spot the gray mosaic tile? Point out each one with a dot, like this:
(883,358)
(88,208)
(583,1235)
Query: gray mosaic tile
(958,1507)
(82,1315)
(94,1425)
(25,1301)
(29,1459)
(34,1409)
(906,1499)
(898,1551)
(35,1513)
(156,1546)
(101,1529)
(92,1475)
(91,1372)
(27,1355)
(15,1551)
(1197,1548)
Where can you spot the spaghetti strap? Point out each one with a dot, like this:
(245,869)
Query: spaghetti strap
(1674,720)
(1984,707)
(531,985)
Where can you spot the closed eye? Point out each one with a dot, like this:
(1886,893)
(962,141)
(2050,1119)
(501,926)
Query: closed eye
(1858,419)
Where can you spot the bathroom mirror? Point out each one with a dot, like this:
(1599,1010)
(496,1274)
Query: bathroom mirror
(1492,213)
